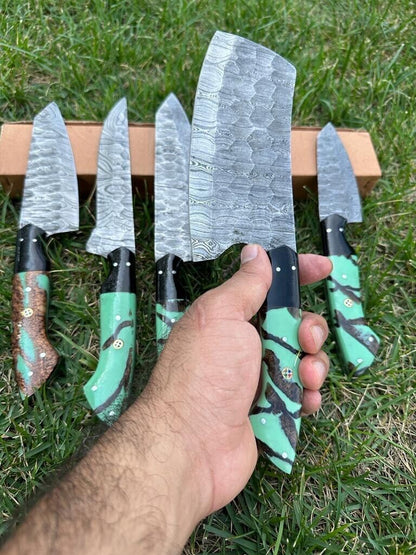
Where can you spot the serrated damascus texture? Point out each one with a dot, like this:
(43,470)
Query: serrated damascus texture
(337,187)
(50,194)
(114,204)
(173,135)
(240,166)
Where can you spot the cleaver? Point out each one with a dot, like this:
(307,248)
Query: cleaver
(113,237)
(339,203)
(240,191)
(172,240)
(49,206)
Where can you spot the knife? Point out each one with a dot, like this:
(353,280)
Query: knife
(339,203)
(172,240)
(49,206)
(113,237)
(240,190)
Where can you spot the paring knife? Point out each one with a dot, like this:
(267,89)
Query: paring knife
(339,203)
(49,206)
(172,240)
(113,237)
(240,190)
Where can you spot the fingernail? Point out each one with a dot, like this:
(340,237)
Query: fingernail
(320,369)
(318,335)
(248,253)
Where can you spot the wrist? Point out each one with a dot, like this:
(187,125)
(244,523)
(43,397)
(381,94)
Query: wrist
(173,492)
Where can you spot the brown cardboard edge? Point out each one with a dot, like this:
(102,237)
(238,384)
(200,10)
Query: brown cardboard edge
(85,135)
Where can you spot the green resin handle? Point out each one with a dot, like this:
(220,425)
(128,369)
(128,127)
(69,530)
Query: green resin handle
(170,300)
(33,356)
(356,341)
(108,388)
(167,314)
(275,415)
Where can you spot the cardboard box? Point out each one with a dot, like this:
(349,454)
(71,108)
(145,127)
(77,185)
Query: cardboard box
(85,136)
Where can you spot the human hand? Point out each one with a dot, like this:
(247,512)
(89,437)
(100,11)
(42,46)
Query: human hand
(208,373)
(186,447)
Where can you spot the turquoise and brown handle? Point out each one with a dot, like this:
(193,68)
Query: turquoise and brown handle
(108,388)
(34,357)
(275,414)
(170,299)
(357,343)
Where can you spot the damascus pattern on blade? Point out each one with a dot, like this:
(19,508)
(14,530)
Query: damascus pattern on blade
(50,196)
(240,167)
(114,204)
(337,186)
(173,133)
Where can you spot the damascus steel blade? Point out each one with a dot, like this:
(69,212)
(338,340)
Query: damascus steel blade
(114,204)
(240,187)
(50,194)
(337,187)
(173,134)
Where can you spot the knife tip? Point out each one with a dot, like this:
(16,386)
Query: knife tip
(122,104)
(327,130)
(50,111)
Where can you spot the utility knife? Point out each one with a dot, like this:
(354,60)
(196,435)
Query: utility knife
(113,237)
(49,206)
(339,204)
(172,240)
(240,191)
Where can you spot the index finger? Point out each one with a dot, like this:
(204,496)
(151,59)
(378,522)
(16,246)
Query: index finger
(313,267)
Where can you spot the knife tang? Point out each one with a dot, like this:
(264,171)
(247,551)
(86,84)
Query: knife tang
(108,388)
(171,301)
(275,415)
(357,342)
(33,355)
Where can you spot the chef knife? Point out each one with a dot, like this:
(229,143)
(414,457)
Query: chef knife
(339,204)
(172,240)
(113,237)
(240,190)
(49,206)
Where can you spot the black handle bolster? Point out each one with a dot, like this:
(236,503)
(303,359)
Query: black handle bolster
(122,278)
(284,291)
(30,254)
(167,283)
(333,236)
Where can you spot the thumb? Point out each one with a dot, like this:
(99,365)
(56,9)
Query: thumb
(240,297)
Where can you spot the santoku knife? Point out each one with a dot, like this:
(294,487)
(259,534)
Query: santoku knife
(240,190)
(113,237)
(49,206)
(172,240)
(339,203)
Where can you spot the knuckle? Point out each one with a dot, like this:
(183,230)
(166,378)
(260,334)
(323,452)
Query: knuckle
(199,311)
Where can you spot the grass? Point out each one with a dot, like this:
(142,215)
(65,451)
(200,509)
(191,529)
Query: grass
(353,487)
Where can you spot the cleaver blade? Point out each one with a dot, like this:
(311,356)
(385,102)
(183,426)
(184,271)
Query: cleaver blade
(240,191)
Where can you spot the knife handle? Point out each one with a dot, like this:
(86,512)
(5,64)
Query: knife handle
(357,342)
(275,415)
(170,299)
(108,388)
(33,355)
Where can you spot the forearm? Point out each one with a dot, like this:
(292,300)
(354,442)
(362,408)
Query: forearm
(133,493)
